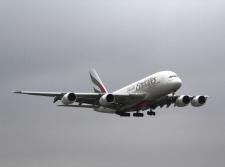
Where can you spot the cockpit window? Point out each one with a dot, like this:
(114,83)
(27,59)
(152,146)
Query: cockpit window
(172,76)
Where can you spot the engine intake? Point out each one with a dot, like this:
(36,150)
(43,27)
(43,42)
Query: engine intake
(69,98)
(110,98)
(107,99)
(198,101)
(182,101)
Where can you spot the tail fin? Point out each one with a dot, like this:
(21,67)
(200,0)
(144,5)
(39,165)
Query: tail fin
(98,84)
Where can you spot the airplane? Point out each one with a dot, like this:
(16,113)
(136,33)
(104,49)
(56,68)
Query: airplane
(154,91)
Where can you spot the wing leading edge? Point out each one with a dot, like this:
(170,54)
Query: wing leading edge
(48,94)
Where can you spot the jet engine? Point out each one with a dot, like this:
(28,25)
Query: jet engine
(182,101)
(68,98)
(107,99)
(198,101)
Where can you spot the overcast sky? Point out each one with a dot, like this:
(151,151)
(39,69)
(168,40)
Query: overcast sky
(49,45)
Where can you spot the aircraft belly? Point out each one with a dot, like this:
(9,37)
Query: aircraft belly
(105,110)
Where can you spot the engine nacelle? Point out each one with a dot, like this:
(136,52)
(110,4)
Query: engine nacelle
(107,99)
(182,101)
(198,101)
(68,98)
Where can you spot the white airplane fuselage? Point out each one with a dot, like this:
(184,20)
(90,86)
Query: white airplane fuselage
(155,86)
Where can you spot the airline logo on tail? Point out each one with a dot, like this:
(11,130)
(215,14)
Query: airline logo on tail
(98,84)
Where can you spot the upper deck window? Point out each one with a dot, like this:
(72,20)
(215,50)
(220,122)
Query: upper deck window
(172,76)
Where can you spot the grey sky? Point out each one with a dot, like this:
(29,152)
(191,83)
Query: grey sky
(49,45)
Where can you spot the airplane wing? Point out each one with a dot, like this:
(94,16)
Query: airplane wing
(90,100)
(165,101)
(171,99)
(176,100)
(49,94)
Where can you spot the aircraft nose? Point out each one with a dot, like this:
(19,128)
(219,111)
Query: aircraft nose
(177,83)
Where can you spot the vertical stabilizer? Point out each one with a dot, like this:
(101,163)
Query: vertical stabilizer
(98,84)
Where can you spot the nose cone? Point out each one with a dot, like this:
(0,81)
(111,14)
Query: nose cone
(177,83)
